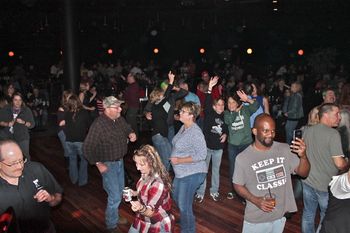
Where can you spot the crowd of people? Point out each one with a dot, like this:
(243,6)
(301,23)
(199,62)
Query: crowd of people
(192,122)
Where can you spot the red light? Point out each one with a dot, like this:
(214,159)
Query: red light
(11,54)
(110,51)
(300,52)
(156,50)
(202,50)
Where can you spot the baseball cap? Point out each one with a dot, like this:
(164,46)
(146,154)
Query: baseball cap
(111,100)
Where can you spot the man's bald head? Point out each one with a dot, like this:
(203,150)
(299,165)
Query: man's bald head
(9,148)
(264,131)
(261,118)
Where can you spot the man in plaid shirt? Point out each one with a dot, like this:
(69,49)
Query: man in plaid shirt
(105,146)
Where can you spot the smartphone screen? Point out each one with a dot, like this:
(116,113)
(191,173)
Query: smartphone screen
(297,133)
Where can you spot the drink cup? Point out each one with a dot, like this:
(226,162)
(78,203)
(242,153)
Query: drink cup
(271,197)
(127,194)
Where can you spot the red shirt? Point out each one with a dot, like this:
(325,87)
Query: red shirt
(153,194)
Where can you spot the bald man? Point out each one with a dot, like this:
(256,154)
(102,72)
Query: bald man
(263,170)
(29,188)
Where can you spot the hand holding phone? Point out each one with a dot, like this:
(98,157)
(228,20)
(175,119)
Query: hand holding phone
(297,133)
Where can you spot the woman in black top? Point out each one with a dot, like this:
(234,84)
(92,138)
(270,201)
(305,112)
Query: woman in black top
(60,122)
(77,122)
(160,111)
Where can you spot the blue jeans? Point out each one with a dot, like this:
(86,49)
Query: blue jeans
(183,194)
(77,173)
(113,184)
(62,138)
(163,147)
(276,226)
(171,133)
(312,199)
(289,127)
(215,156)
(233,151)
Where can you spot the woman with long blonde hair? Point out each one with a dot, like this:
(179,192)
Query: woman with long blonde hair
(153,204)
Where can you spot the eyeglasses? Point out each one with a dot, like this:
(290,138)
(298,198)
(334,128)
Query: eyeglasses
(183,111)
(21,162)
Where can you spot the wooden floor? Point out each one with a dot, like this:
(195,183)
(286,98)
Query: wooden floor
(82,209)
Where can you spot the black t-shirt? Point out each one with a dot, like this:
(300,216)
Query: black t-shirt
(77,128)
(160,117)
(32,216)
(214,126)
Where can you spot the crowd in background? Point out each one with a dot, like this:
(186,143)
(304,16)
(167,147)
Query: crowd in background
(179,121)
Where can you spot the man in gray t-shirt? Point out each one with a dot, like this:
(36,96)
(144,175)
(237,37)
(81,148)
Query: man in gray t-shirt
(326,157)
(265,168)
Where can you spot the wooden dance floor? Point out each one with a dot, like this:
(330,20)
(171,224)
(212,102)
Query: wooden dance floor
(82,209)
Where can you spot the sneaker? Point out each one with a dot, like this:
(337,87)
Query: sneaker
(215,196)
(199,198)
(230,195)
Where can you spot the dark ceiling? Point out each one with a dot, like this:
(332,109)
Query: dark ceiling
(218,24)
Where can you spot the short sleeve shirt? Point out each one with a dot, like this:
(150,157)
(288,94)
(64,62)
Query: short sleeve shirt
(260,171)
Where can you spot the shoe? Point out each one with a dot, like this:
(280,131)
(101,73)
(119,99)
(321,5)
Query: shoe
(122,220)
(215,196)
(199,198)
(230,195)
(114,230)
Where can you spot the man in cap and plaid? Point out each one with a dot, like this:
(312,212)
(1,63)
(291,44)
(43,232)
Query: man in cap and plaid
(105,146)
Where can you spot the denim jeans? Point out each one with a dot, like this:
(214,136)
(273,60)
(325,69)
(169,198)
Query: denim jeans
(233,151)
(289,127)
(77,173)
(276,226)
(163,147)
(215,156)
(113,184)
(131,118)
(312,199)
(62,137)
(171,133)
(183,194)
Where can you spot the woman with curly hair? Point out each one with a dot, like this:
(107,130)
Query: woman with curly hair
(153,204)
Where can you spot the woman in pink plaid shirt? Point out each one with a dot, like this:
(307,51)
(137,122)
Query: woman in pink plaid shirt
(153,204)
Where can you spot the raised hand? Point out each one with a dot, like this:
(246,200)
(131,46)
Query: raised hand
(171,77)
(242,95)
(212,82)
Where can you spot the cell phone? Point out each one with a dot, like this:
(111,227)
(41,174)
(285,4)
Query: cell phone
(297,133)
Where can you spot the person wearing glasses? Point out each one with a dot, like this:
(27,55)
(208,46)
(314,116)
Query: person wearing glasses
(188,161)
(105,146)
(29,188)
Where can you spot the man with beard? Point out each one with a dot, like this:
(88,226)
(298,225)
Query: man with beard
(263,170)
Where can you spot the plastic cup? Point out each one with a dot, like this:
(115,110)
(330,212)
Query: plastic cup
(271,197)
